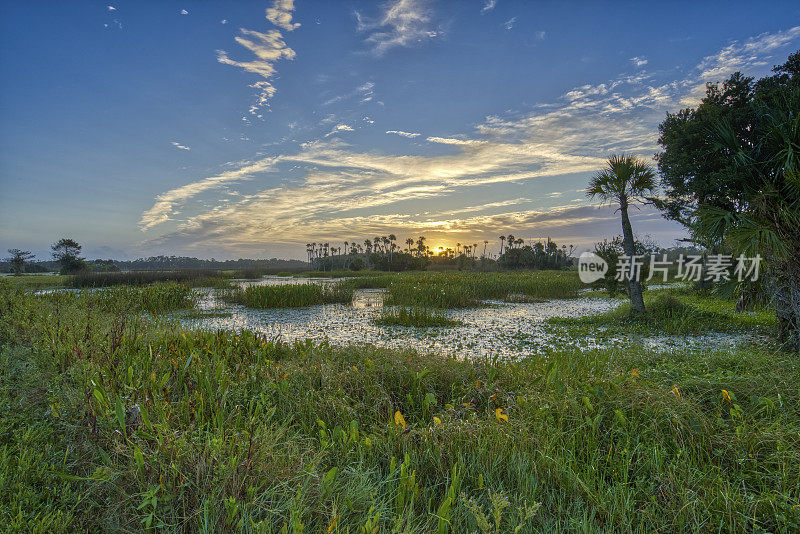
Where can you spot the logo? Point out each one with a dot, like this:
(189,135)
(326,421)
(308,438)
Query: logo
(591,267)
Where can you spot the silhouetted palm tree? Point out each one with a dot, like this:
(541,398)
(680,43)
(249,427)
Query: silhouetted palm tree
(625,180)
(420,245)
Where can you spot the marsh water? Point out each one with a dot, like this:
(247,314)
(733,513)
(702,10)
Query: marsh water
(502,329)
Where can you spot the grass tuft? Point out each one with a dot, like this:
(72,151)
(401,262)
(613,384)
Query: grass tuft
(289,295)
(192,277)
(676,312)
(416,317)
(455,289)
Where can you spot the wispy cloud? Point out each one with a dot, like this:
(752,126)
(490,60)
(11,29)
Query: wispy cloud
(178,145)
(340,191)
(455,141)
(509,24)
(268,48)
(165,203)
(111,8)
(488,5)
(403,23)
(402,133)
(365,93)
(339,128)
(184,12)
(754,52)
(639,61)
(280,14)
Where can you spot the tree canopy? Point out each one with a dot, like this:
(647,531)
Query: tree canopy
(731,173)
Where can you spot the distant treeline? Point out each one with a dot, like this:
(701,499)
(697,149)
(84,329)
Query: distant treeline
(168,263)
(383,253)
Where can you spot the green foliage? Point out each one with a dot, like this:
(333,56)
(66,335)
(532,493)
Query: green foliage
(492,523)
(290,295)
(66,251)
(677,313)
(156,298)
(453,289)
(731,169)
(612,251)
(18,258)
(109,428)
(536,256)
(192,277)
(35,281)
(414,317)
(625,179)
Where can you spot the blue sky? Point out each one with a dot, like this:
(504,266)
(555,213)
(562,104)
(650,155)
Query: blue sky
(233,129)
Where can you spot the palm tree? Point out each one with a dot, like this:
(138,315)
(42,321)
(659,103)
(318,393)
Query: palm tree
(502,242)
(510,240)
(485,242)
(392,246)
(625,181)
(420,245)
(409,242)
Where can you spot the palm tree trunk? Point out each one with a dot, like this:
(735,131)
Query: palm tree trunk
(634,286)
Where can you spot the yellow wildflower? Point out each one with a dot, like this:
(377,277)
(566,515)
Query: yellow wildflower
(437,421)
(726,395)
(635,373)
(676,391)
(399,420)
(500,416)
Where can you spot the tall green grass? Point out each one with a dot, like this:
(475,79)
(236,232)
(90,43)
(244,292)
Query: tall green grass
(452,289)
(338,274)
(289,295)
(35,281)
(416,317)
(676,312)
(156,298)
(150,426)
(193,277)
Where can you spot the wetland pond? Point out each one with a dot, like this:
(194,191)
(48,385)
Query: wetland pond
(501,329)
